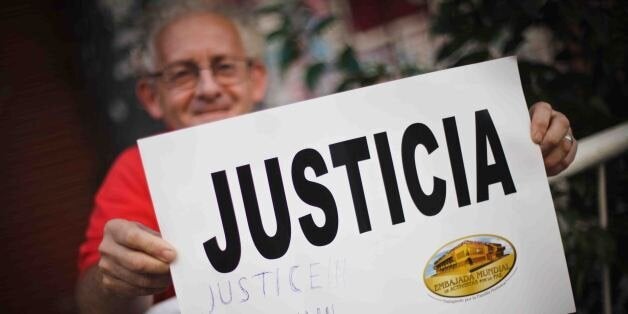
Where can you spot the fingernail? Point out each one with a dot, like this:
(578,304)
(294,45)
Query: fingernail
(537,137)
(168,255)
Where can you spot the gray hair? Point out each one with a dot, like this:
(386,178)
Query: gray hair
(143,57)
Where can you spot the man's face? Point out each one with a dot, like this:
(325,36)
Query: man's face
(199,40)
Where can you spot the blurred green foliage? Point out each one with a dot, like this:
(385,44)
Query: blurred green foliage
(589,40)
(298,29)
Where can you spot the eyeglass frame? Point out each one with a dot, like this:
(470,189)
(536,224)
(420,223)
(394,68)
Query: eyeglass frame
(214,62)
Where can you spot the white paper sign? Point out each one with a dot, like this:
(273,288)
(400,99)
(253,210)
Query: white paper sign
(424,194)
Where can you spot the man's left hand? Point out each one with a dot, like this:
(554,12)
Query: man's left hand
(550,130)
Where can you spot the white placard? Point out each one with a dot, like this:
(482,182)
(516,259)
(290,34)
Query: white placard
(471,227)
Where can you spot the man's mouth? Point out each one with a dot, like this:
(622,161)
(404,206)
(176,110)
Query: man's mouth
(211,113)
(210,109)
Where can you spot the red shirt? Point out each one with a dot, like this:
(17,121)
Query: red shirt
(123,194)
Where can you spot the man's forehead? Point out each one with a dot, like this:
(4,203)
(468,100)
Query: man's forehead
(193,34)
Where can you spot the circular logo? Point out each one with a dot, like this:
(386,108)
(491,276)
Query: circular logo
(469,265)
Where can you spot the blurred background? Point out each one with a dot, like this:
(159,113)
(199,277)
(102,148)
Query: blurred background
(67,108)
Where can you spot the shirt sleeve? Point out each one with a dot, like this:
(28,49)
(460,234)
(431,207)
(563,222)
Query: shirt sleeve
(123,194)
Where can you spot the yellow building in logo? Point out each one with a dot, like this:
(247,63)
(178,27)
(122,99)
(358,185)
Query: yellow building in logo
(469,265)
(468,256)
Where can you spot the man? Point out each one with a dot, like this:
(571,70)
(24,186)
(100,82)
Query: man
(196,70)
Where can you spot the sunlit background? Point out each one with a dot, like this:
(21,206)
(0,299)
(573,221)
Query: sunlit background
(67,108)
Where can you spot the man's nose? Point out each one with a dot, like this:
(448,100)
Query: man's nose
(207,85)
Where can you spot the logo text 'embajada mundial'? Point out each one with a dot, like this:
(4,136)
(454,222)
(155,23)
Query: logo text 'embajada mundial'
(469,265)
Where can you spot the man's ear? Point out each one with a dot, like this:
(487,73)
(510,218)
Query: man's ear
(259,79)
(147,94)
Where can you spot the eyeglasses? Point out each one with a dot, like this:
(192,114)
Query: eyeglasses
(185,74)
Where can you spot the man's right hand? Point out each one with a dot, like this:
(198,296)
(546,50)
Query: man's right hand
(134,259)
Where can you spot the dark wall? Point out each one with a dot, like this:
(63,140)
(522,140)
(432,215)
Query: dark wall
(51,157)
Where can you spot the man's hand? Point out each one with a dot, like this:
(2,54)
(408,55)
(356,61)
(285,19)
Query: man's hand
(550,129)
(134,259)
